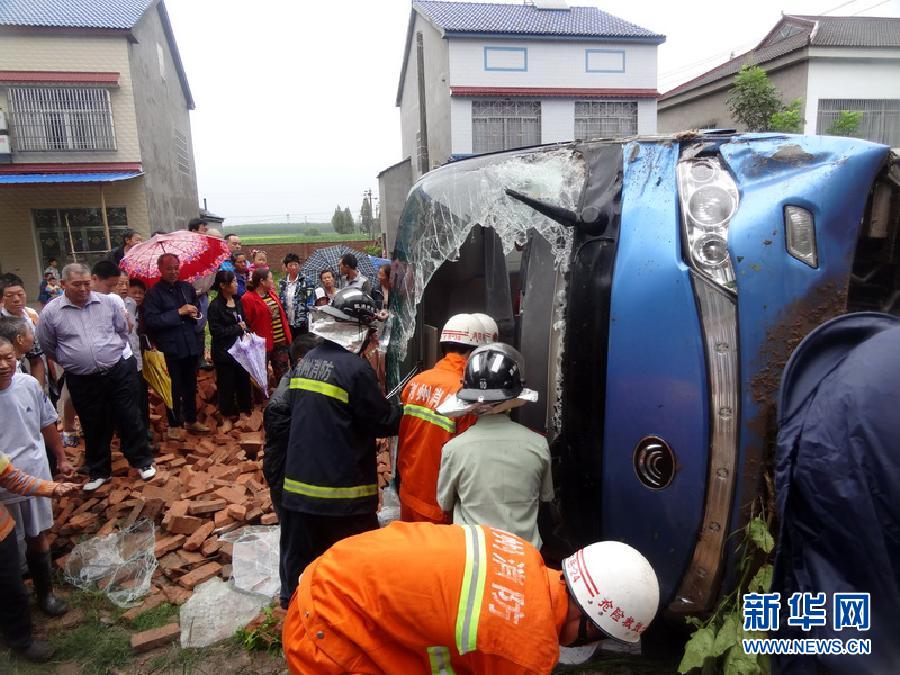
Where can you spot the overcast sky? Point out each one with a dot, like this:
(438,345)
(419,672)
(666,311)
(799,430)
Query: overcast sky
(295,100)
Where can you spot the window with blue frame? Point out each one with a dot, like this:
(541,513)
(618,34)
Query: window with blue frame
(508,59)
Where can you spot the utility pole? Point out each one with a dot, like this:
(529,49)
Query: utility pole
(424,160)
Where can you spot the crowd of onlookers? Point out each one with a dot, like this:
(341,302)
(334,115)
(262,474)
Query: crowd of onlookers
(83,354)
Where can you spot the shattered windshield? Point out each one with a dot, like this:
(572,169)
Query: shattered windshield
(444,208)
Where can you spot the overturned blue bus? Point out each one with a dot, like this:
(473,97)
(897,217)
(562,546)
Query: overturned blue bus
(656,288)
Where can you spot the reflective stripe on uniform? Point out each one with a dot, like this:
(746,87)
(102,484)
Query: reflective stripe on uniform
(323,492)
(430,416)
(439,658)
(320,388)
(472,592)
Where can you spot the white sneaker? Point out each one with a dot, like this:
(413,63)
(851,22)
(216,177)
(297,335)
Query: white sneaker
(94,483)
(147,472)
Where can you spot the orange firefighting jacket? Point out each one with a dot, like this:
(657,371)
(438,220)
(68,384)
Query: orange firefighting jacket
(424,598)
(423,433)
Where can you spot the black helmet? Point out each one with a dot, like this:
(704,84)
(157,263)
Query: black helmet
(493,373)
(352,305)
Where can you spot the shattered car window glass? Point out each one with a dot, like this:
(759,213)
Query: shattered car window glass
(445,205)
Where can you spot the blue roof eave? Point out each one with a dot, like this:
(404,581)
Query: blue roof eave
(638,39)
(44,178)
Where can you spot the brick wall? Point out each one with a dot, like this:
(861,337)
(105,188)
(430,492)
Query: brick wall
(278,251)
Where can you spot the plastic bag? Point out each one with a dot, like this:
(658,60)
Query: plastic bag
(255,560)
(215,611)
(121,564)
(390,507)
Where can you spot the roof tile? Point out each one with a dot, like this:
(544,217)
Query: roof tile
(519,19)
(116,14)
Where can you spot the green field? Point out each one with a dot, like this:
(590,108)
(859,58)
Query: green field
(300,238)
(290,233)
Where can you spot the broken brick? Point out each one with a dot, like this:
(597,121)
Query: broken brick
(199,575)
(197,508)
(156,637)
(184,524)
(196,540)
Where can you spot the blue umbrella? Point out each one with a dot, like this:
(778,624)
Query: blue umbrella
(328,258)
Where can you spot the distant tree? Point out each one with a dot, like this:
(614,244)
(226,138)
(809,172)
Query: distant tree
(846,124)
(313,231)
(366,222)
(788,120)
(337,220)
(349,225)
(753,99)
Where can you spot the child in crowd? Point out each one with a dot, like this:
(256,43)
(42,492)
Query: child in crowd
(50,288)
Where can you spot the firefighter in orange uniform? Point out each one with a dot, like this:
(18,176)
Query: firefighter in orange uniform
(423,598)
(422,431)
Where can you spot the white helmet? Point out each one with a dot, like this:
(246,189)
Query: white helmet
(490,331)
(615,586)
(463,329)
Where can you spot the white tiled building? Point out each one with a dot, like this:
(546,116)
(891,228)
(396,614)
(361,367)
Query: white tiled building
(500,76)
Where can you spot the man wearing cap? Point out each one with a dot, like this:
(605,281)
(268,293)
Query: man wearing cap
(497,471)
(424,598)
(423,432)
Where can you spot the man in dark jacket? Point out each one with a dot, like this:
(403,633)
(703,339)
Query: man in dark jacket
(330,487)
(837,566)
(170,316)
(277,425)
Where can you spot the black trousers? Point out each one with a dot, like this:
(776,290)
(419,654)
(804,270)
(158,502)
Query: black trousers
(107,403)
(304,537)
(15,615)
(184,390)
(232,388)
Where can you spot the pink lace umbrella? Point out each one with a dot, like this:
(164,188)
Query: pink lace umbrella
(200,256)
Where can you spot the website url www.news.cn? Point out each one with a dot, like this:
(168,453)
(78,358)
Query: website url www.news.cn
(807,646)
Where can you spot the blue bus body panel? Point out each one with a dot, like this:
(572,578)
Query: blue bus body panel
(781,299)
(656,380)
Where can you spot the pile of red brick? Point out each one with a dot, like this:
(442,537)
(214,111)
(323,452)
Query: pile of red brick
(205,486)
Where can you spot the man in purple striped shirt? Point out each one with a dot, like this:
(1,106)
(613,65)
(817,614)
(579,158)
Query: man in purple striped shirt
(86,333)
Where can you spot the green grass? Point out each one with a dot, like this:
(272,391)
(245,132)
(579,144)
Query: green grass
(155,618)
(300,238)
(94,646)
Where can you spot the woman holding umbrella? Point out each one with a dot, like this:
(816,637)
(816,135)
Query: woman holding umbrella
(265,316)
(226,324)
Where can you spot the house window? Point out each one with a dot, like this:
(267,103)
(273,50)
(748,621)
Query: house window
(504,124)
(880,120)
(182,153)
(52,120)
(88,238)
(604,119)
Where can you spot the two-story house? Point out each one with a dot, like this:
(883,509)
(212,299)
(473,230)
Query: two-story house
(95,132)
(483,77)
(831,63)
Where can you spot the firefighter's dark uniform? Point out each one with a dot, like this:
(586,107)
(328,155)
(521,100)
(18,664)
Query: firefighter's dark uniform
(330,488)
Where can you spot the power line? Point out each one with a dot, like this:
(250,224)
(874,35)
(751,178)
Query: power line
(883,2)
(843,4)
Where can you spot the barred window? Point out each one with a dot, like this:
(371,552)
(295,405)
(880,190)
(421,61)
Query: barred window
(605,119)
(880,120)
(59,119)
(182,153)
(504,124)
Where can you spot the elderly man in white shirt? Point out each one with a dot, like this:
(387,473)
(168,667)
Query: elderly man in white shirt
(87,333)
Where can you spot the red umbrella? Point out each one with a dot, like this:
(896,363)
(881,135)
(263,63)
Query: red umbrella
(200,256)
